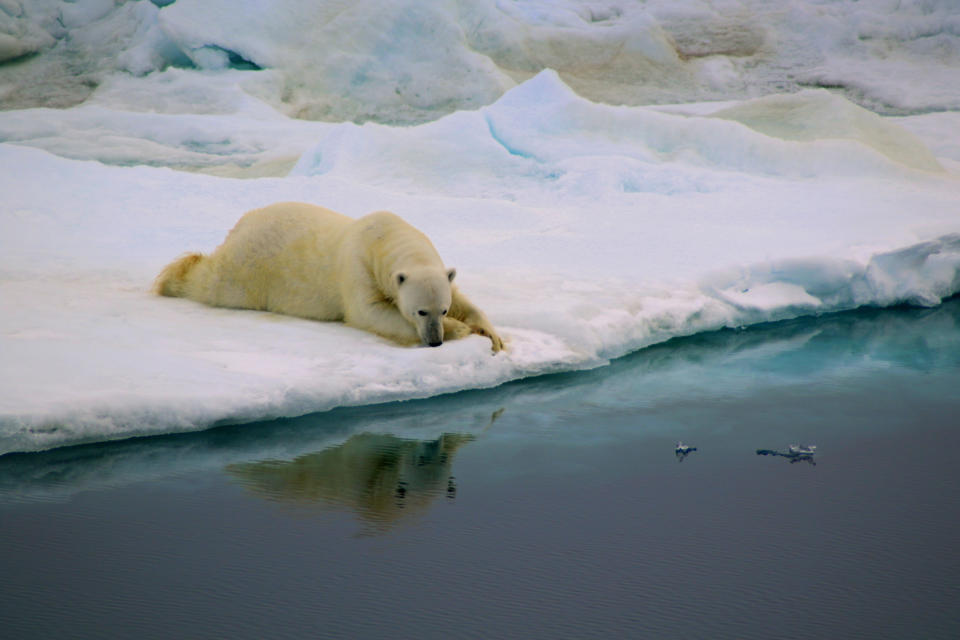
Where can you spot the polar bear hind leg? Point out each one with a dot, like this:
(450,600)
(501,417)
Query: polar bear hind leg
(172,281)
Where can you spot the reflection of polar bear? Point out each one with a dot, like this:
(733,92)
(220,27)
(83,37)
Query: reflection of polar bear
(376,273)
(381,476)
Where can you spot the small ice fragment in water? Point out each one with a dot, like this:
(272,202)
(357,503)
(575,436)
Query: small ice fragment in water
(795,452)
(684,450)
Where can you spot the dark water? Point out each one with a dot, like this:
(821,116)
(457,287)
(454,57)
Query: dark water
(550,508)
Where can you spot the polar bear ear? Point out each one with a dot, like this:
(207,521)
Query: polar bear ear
(451,274)
(401,278)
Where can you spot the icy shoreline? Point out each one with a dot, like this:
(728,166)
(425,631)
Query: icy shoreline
(585,230)
(580,245)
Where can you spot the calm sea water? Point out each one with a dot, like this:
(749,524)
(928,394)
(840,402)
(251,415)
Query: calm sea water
(550,508)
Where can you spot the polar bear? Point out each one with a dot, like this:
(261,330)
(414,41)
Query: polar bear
(376,273)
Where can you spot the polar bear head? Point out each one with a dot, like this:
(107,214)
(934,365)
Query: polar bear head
(423,298)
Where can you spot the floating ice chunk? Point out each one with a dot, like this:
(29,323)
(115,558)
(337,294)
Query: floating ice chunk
(683,449)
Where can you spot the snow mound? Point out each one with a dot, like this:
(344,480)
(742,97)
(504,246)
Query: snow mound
(544,138)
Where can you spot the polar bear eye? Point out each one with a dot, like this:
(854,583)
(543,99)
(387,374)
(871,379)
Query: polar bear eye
(444,312)
(422,312)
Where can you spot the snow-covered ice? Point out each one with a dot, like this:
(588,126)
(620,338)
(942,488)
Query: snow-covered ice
(593,203)
(407,60)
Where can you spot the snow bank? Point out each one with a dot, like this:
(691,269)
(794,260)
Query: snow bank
(208,123)
(25,30)
(77,45)
(407,61)
(399,61)
(585,231)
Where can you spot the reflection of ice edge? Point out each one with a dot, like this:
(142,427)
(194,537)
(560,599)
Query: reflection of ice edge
(721,364)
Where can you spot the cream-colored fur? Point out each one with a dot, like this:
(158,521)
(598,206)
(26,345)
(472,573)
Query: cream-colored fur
(375,273)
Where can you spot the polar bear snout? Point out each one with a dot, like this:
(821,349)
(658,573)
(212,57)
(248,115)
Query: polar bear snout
(433,334)
(429,328)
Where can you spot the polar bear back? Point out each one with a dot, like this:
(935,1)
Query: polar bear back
(280,258)
(378,246)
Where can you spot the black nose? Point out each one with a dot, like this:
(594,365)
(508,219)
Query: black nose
(436,344)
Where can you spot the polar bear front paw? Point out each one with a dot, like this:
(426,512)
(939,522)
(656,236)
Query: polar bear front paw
(487,330)
(453,329)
